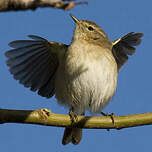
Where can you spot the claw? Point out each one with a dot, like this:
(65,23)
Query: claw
(45,113)
(111,116)
(73,116)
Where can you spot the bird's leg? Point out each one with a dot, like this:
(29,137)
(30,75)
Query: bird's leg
(73,116)
(111,115)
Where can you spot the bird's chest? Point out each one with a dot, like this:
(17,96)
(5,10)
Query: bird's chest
(87,77)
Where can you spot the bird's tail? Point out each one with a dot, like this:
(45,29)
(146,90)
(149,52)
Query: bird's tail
(73,135)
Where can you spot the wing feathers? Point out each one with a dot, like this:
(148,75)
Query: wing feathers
(34,63)
(24,57)
(32,72)
(23,43)
(27,63)
(21,51)
(132,38)
(37,38)
(125,46)
(48,90)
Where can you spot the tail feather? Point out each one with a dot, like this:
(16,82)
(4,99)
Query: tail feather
(73,135)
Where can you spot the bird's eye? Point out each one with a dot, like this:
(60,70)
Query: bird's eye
(90,28)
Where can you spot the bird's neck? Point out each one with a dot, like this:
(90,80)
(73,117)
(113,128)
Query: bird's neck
(83,49)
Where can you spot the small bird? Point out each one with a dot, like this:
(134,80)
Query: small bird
(82,75)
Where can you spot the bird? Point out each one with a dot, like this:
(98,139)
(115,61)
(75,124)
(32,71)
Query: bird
(82,75)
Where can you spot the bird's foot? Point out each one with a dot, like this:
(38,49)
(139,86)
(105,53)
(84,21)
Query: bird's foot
(73,116)
(44,113)
(111,115)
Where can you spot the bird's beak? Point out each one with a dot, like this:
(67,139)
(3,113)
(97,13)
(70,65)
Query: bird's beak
(75,19)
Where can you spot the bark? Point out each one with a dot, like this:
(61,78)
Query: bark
(47,118)
(14,5)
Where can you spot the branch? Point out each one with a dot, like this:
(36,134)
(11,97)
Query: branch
(47,118)
(14,5)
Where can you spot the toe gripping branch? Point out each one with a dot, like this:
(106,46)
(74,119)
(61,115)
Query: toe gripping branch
(111,115)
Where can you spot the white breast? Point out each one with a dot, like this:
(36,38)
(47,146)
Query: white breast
(86,78)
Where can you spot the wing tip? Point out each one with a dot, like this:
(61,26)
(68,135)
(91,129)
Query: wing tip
(138,34)
(37,38)
(7,54)
(11,44)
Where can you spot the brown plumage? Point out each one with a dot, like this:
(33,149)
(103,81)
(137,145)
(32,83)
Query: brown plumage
(82,75)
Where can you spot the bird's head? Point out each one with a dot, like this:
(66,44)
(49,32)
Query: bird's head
(89,31)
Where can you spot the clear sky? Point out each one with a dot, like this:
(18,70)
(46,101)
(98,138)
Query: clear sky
(134,92)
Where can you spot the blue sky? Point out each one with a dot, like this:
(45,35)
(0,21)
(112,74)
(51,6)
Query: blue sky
(134,92)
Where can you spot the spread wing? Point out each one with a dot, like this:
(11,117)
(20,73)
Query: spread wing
(34,63)
(125,46)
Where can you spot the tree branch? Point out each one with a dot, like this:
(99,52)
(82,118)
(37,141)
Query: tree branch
(14,5)
(47,118)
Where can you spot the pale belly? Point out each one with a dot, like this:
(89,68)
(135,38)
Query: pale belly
(86,84)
